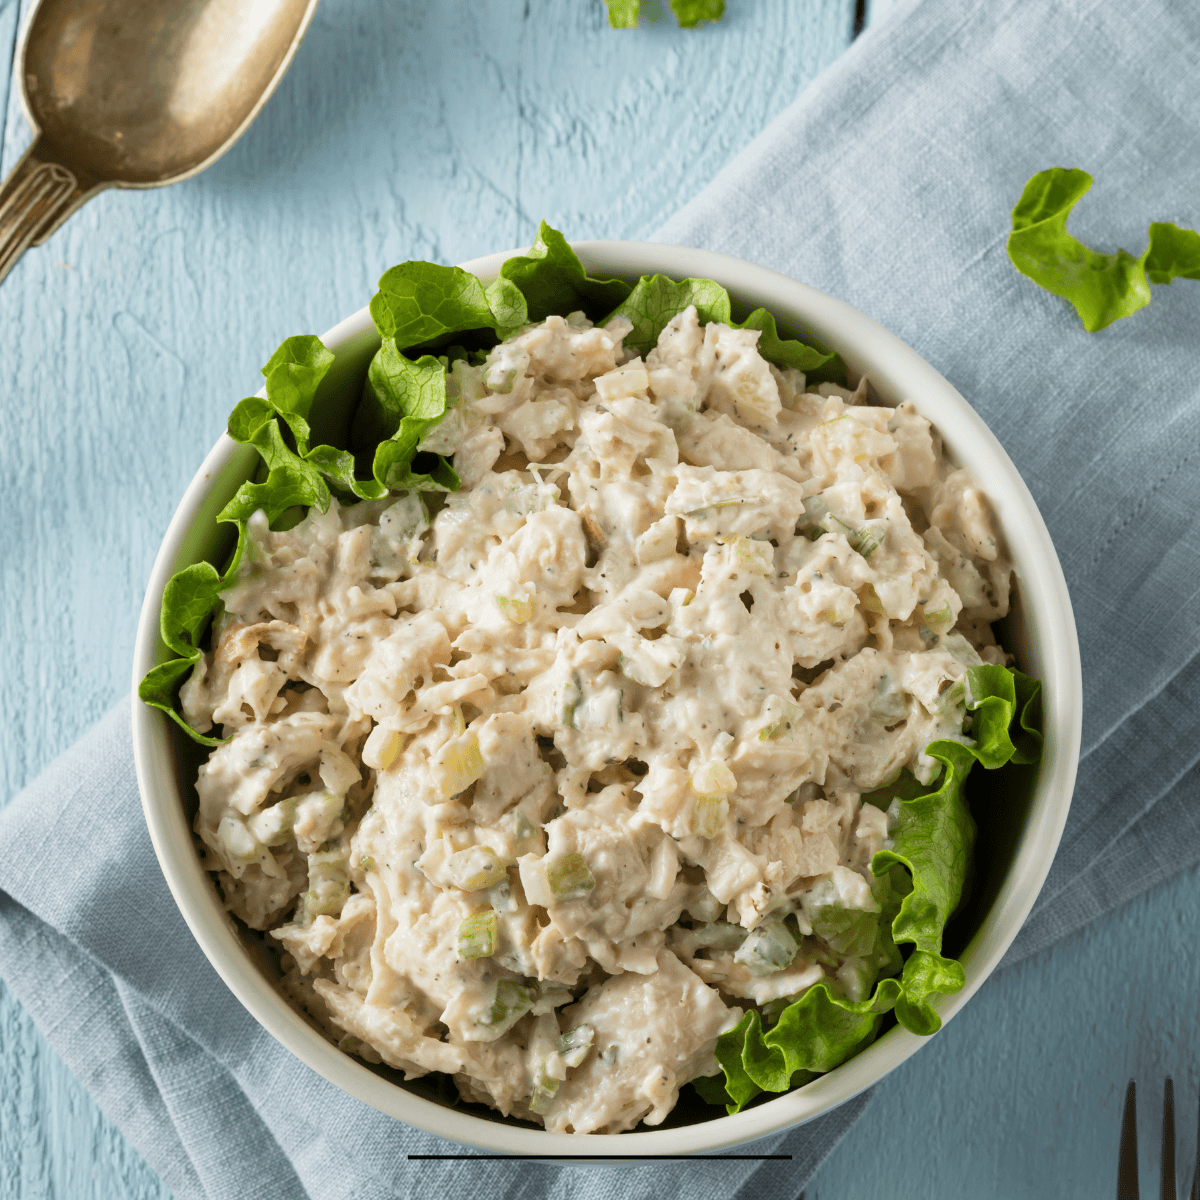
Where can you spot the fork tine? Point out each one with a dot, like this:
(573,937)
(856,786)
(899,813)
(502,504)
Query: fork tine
(1127,1164)
(1196,1173)
(1168,1141)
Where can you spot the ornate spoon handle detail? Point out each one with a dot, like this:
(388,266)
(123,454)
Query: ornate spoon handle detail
(38,195)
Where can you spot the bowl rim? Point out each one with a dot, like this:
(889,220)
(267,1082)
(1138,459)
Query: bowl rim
(898,373)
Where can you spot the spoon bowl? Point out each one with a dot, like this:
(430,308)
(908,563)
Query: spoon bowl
(136,93)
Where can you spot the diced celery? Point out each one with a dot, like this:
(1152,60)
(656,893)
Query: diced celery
(856,976)
(939,619)
(328,885)
(576,1043)
(477,935)
(782,726)
(868,539)
(704,510)
(719,935)
(366,863)
(709,816)
(475,868)
(523,832)
(572,699)
(517,609)
(953,696)
(568,876)
(273,826)
(350,1044)
(754,556)
(767,949)
(545,1086)
(869,599)
(510,1002)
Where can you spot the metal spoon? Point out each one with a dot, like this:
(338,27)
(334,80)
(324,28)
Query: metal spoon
(137,94)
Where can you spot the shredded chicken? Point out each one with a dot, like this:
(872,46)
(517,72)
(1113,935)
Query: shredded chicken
(540,783)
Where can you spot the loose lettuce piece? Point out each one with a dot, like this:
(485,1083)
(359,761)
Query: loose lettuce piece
(623,14)
(1102,287)
(1173,253)
(656,299)
(925,872)
(690,13)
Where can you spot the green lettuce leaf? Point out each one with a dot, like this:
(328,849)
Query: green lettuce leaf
(552,280)
(919,883)
(419,302)
(1173,253)
(189,601)
(402,400)
(1102,287)
(656,299)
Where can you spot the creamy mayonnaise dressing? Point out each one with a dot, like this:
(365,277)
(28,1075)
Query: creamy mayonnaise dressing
(539,783)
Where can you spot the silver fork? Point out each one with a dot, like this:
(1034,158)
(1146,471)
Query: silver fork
(1127,1165)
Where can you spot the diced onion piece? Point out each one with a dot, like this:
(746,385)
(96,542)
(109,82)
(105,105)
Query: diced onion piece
(273,826)
(477,935)
(628,380)
(458,765)
(568,876)
(237,841)
(381,748)
(475,868)
(713,778)
(517,609)
(754,556)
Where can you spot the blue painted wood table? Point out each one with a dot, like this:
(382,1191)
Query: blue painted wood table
(414,130)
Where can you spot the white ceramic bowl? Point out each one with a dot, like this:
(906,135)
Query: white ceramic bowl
(1013,855)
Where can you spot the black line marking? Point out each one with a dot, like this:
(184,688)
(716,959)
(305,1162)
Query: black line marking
(594,1157)
(860,18)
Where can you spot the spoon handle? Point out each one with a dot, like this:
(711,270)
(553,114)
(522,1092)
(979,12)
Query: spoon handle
(34,200)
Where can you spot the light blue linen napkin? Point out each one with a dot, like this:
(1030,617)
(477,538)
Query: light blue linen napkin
(889,184)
